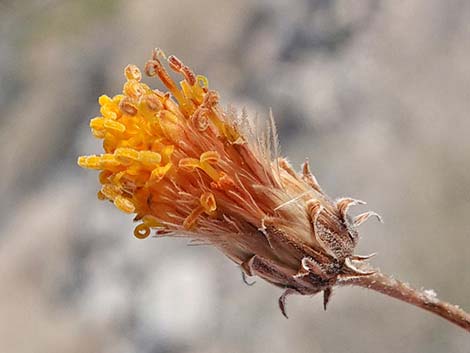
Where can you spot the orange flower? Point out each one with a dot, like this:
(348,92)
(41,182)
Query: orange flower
(184,166)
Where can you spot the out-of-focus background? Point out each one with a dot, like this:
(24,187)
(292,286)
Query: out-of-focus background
(375,93)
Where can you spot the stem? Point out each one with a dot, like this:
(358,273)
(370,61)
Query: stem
(402,291)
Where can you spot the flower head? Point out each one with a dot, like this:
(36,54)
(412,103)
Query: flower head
(184,166)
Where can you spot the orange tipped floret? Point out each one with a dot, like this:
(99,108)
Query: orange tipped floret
(184,166)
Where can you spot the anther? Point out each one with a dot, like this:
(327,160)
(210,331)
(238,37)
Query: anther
(210,157)
(178,66)
(133,89)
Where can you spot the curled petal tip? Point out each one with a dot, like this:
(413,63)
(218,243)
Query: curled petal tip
(245,280)
(353,270)
(345,203)
(362,257)
(358,220)
(309,265)
(282,300)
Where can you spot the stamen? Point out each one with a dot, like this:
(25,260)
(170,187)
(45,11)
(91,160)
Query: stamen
(132,72)
(124,204)
(134,89)
(207,200)
(149,157)
(152,102)
(188,164)
(203,81)
(89,162)
(153,68)
(190,221)
(104,176)
(107,161)
(208,158)
(159,172)
(169,123)
(166,153)
(109,111)
(104,99)
(151,221)
(200,120)
(128,107)
(126,155)
(178,66)
(142,231)
(114,126)
(97,123)
(110,191)
(211,157)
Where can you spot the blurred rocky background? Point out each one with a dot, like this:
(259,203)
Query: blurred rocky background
(375,93)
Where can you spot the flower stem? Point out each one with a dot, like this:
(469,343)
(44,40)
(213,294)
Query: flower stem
(402,291)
